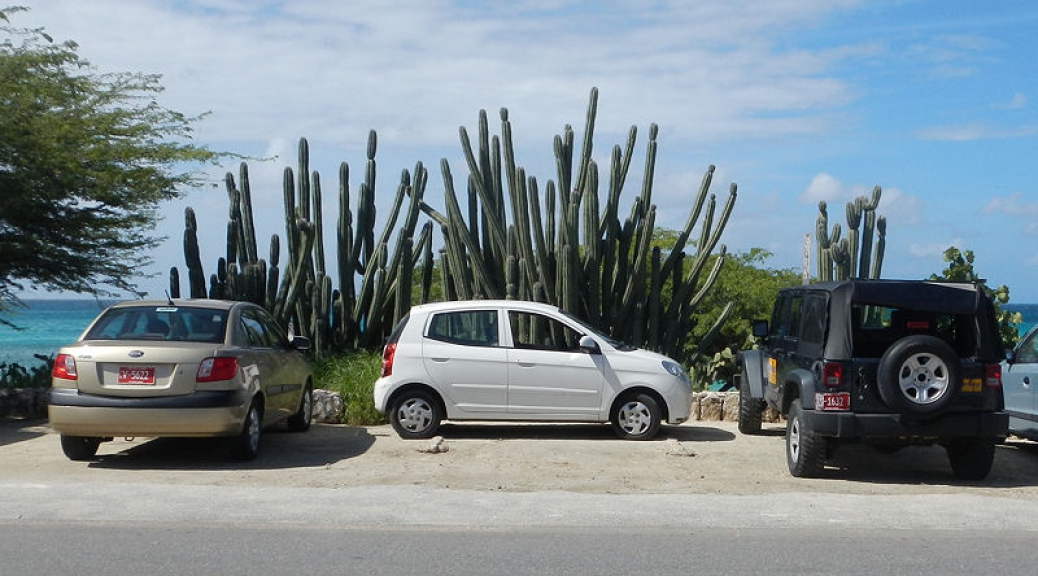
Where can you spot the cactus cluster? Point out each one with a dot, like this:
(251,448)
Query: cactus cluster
(503,239)
(860,254)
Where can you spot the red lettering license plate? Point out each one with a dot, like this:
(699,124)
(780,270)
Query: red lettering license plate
(835,401)
(137,375)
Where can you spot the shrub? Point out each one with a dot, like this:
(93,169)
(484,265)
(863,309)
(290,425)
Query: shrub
(352,374)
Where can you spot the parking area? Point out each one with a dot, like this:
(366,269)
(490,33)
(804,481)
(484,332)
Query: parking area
(700,458)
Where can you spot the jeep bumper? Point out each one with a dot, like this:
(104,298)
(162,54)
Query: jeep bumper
(851,425)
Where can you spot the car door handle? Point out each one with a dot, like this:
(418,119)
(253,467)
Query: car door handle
(1027,380)
(435,359)
(525,364)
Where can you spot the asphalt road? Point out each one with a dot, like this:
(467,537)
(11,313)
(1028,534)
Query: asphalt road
(351,501)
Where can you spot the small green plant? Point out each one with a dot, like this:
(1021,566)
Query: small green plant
(15,375)
(352,374)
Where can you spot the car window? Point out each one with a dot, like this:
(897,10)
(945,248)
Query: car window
(812,324)
(180,323)
(466,327)
(1027,351)
(260,330)
(539,332)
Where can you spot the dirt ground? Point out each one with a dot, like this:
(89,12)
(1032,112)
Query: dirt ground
(700,457)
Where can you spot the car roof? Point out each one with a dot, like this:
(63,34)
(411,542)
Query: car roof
(923,295)
(433,307)
(192,302)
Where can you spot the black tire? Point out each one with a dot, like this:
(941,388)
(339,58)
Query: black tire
(636,417)
(917,375)
(805,450)
(415,414)
(751,410)
(79,448)
(300,421)
(971,458)
(245,446)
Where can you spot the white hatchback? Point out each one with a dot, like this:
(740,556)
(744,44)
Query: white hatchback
(515,360)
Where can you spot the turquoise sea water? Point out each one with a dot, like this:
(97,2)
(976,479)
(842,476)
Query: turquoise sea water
(45,326)
(50,324)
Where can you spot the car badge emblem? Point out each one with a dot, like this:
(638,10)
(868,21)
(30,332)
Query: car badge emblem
(135,353)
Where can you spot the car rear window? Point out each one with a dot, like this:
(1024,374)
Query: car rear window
(178,323)
(468,328)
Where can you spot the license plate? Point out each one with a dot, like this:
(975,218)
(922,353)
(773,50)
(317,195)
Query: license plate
(137,375)
(835,401)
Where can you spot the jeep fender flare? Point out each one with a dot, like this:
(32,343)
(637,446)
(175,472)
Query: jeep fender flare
(800,384)
(752,363)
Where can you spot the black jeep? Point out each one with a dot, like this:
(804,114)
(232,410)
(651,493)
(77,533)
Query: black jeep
(886,362)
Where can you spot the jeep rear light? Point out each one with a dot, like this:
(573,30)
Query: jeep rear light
(992,375)
(832,374)
(65,367)
(217,369)
(387,359)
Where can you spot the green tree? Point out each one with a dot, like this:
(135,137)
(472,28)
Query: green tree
(960,269)
(85,160)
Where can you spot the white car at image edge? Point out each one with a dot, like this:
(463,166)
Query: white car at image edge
(522,361)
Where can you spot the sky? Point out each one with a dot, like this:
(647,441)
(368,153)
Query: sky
(794,101)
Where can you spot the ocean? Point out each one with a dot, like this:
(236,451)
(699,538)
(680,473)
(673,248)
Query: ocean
(49,324)
(44,326)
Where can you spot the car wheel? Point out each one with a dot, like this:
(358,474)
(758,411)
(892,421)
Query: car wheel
(79,448)
(917,375)
(300,421)
(245,446)
(637,417)
(805,450)
(971,458)
(751,410)
(415,414)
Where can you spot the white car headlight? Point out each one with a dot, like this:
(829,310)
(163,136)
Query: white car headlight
(677,371)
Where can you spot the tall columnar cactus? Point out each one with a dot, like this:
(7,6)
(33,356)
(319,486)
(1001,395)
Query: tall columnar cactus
(501,238)
(571,251)
(860,255)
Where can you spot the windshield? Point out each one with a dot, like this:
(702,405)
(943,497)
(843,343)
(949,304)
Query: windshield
(180,323)
(618,344)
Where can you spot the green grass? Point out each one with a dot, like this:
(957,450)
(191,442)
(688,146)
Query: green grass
(352,374)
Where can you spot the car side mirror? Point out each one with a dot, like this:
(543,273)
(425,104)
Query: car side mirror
(301,343)
(589,345)
(760,328)
(1010,356)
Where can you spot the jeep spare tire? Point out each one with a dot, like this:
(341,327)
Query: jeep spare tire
(918,375)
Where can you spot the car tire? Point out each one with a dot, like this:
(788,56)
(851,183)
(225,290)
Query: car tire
(637,417)
(751,410)
(917,375)
(971,458)
(300,421)
(245,446)
(415,414)
(79,448)
(805,450)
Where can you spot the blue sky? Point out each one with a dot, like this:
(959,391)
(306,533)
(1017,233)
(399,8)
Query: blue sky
(795,101)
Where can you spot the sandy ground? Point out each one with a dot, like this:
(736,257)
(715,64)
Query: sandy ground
(697,458)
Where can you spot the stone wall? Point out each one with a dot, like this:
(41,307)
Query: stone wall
(722,406)
(24,402)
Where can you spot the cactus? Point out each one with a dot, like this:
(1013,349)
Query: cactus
(566,244)
(860,255)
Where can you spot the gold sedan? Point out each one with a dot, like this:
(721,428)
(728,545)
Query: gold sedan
(180,368)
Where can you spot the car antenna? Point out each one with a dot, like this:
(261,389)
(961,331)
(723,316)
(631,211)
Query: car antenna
(168,298)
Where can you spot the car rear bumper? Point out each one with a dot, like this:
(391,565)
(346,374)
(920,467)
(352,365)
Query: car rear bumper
(850,425)
(208,413)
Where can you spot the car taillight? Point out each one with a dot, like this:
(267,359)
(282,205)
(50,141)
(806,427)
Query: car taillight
(832,374)
(216,369)
(387,359)
(993,376)
(65,367)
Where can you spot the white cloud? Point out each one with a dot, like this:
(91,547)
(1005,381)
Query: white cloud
(1016,102)
(1013,206)
(934,248)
